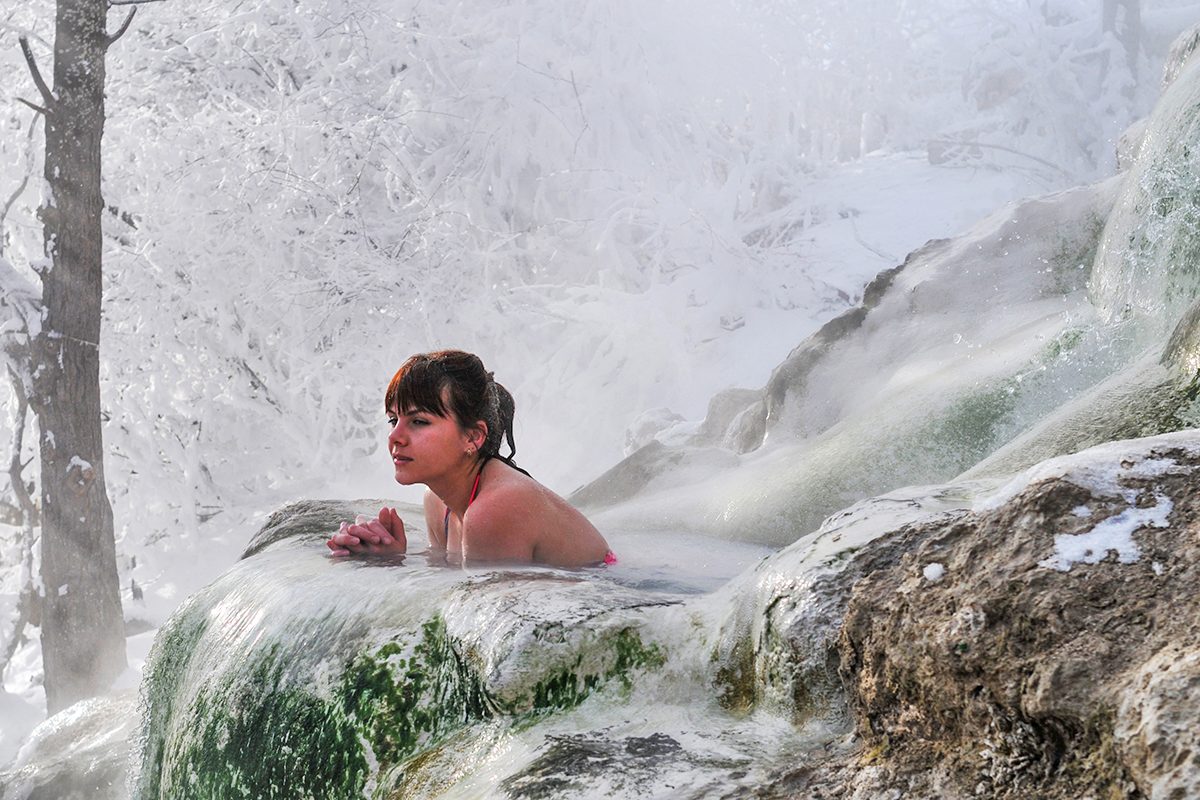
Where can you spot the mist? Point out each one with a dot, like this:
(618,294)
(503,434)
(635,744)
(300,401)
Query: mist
(622,207)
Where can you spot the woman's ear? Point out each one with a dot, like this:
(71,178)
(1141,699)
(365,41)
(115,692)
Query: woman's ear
(477,436)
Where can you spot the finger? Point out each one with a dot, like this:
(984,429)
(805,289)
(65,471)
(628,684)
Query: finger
(346,540)
(367,533)
(361,531)
(382,531)
(391,520)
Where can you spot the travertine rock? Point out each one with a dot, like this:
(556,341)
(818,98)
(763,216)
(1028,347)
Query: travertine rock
(1026,664)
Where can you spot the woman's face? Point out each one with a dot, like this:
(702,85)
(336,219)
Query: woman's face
(425,446)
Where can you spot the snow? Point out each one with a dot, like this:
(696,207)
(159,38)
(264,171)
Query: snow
(672,229)
(1101,469)
(1105,471)
(933,572)
(20,301)
(902,202)
(1112,534)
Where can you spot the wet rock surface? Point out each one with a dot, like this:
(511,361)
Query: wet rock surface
(984,665)
(308,521)
(81,753)
(1034,640)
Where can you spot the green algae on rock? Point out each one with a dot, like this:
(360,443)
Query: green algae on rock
(295,675)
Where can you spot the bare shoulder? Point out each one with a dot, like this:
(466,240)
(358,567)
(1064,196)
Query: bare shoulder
(527,521)
(494,528)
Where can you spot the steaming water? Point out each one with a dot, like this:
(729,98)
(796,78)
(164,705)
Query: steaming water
(1052,326)
(975,341)
(679,562)
(297,674)
(1146,270)
(290,620)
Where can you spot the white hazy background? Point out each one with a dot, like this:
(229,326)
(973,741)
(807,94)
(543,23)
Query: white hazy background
(621,205)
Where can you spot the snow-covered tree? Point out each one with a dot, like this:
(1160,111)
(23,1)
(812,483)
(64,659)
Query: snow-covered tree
(83,632)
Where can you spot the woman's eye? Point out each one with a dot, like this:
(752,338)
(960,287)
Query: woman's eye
(392,422)
(420,421)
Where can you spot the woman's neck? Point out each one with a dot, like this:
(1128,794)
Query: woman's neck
(457,490)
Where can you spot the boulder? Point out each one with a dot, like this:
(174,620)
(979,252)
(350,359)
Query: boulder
(1044,642)
(81,753)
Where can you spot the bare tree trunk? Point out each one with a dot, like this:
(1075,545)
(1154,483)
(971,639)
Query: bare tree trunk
(1127,27)
(83,640)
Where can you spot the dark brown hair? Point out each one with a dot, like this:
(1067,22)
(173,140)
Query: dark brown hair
(455,385)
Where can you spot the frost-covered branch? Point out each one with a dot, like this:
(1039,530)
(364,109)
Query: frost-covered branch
(16,468)
(20,304)
(12,199)
(34,106)
(9,204)
(28,519)
(124,25)
(986,146)
(38,80)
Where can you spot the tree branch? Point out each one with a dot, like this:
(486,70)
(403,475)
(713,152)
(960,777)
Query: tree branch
(24,182)
(39,81)
(124,216)
(16,468)
(34,106)
(132,2)
(124,25)
(26,599)
(953,143)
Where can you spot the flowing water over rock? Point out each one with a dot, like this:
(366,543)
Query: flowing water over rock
(1023,623)
(1055,324)
(299,675)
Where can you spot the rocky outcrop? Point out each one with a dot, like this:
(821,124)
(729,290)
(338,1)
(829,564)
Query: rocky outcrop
(1056,324)
(975,640)
(1040,645)
(927,377)
(338,677)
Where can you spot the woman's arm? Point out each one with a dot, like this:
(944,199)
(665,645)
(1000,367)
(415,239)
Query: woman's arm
(498,531)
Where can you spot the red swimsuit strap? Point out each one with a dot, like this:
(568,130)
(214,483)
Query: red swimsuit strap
(474,491)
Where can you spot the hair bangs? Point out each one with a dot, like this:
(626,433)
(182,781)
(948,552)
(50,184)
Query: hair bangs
(418,386)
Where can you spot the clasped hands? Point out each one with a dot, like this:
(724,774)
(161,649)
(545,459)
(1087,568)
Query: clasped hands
(367,536)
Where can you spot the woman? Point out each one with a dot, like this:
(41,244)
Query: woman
(448,420)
